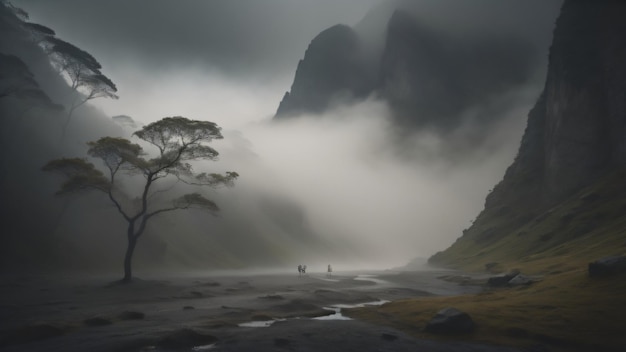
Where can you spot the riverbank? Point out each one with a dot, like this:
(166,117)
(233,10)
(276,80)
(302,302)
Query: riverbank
(565,311)
(224,312)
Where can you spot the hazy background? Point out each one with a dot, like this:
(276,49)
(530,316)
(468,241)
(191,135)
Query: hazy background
(340,188)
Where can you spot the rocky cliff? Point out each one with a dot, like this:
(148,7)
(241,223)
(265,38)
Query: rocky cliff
(574,140)
(332,68)
(428,76)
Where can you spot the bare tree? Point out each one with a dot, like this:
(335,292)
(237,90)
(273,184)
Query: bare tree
(178,141)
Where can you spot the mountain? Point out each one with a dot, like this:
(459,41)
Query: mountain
(563,195)
(430,78)
(429,73)
(332,68)
(44,232)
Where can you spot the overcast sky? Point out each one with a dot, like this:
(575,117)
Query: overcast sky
(241,37)
(230,61)
(149,47)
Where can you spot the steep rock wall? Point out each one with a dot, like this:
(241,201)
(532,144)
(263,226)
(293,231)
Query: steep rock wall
(575,133)
(332,68)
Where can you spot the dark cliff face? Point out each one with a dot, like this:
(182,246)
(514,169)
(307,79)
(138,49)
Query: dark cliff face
(429,77)
(332,69)
(577,130)
(575,134)
(586,95)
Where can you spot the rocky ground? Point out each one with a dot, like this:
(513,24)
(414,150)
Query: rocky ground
(234,312)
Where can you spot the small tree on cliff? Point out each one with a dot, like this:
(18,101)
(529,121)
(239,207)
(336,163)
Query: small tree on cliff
(178,141)
(83,72)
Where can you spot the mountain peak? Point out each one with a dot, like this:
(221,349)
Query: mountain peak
(332,69)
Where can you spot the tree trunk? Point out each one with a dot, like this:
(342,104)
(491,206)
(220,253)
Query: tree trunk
(132,242)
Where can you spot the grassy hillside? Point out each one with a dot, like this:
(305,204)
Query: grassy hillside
(588,225)
(566,310)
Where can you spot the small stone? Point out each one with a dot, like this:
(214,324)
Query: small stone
(451,320)
(520,280)
(502,280)
(607,266)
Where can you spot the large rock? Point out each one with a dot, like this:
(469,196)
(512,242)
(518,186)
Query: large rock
(575,134)
(451,320)
(607,266)
(520,280)
(502,280)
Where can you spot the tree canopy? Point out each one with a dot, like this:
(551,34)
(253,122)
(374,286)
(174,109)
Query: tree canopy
(178,141)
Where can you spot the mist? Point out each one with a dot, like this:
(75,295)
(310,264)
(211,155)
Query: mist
(374,201)
(347,187)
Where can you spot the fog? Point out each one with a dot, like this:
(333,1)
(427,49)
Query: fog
(375,201)
(347,173)
(357,195)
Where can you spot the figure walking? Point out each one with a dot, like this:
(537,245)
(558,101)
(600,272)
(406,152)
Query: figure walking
(329,273)
(300,271)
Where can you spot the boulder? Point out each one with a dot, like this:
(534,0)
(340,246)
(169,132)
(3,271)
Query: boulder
(450,321)
(502,280)
(520,280)
(607,266)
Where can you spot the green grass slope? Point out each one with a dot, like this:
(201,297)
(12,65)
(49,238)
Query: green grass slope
(588,225)
(566,310)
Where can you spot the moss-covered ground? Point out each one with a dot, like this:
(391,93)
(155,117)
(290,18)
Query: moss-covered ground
(565,311)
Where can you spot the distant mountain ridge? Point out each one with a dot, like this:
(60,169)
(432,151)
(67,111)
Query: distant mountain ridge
(332,66)
(427,76)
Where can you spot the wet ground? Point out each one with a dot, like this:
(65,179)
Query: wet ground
(234,312)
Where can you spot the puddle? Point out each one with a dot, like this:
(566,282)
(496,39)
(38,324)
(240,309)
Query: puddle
(338,307)
(195,348)
(371,278)
(335,316)
(259,324)
(203,348)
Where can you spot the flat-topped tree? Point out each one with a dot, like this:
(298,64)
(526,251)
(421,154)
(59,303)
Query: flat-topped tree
(83,72)
(178,141)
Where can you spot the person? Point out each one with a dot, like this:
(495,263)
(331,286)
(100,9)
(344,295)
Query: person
(304,269)
(330,271)
(300,270)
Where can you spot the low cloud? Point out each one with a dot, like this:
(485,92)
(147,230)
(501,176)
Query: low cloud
(375,198)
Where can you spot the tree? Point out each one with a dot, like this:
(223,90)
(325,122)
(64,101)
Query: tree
(82,71)
(178,141)
(18,81)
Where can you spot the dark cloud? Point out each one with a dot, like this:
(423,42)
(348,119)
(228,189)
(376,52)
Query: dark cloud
(338,178)
(237,36)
